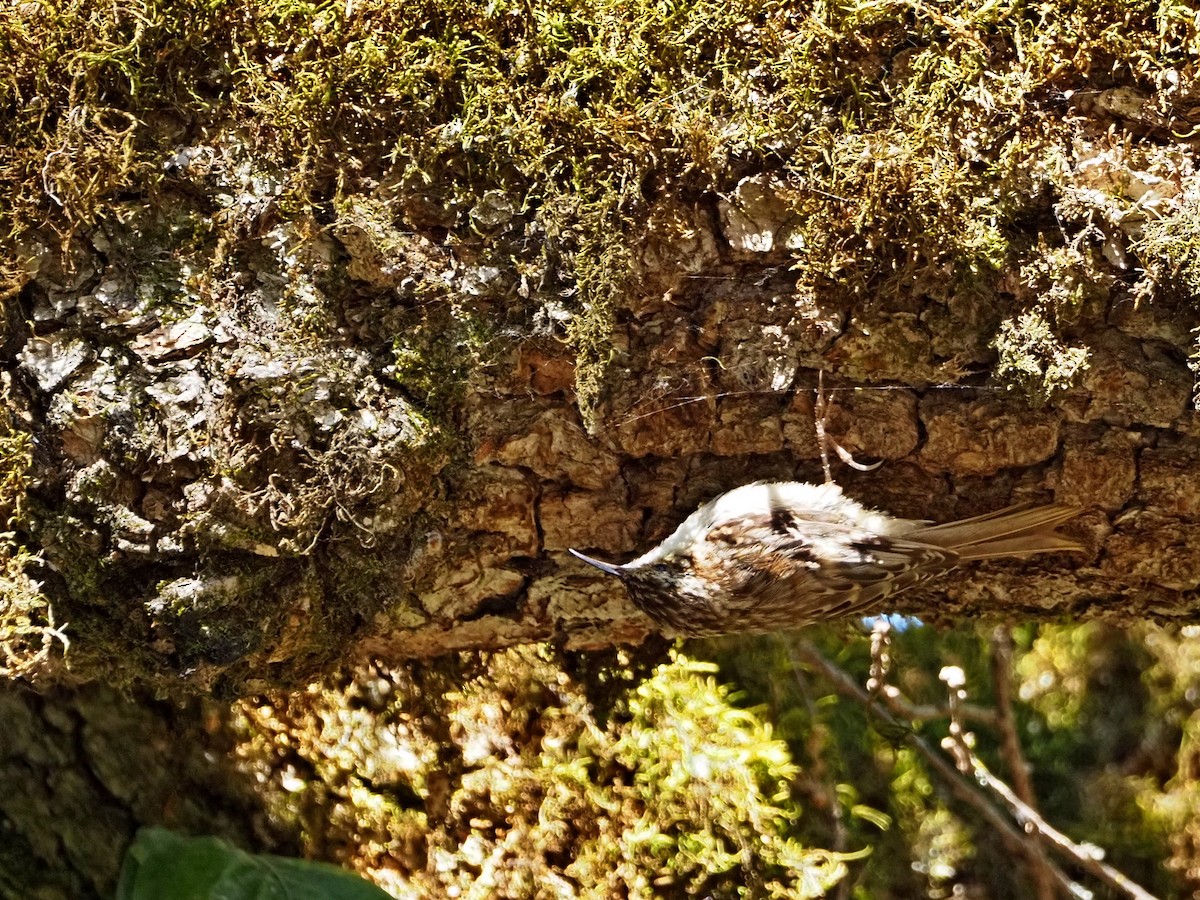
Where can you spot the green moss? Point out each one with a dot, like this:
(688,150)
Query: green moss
(1174,241)
(709,778)
(435,358)
(16,457)
(29,633)
(72,548)
(1170,246)
(923,142)
(602,270)
(495,768)
(1034,360)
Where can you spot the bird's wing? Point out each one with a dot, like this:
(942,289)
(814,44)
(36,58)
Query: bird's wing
(829,566)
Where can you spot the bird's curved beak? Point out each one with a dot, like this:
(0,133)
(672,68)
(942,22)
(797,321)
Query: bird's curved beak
(600,564)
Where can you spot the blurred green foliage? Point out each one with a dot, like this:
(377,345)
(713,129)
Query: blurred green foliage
(1103,717)
(493,775)
(162,864)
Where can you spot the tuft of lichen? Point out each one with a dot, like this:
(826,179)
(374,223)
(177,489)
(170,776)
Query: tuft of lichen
(29,633)
(1034,360)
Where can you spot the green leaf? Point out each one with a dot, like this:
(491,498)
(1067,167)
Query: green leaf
(162,865)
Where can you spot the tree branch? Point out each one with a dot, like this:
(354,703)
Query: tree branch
(845,685)
(1010,743)
(1088,856)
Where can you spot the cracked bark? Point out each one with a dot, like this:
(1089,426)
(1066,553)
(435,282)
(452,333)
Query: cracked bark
(232,503)
(228,499)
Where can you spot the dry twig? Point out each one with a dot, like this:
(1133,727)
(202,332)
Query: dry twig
(1010,742)
(1089,857)
(1086,856)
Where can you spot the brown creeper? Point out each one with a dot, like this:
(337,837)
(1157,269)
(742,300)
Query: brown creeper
(771,556)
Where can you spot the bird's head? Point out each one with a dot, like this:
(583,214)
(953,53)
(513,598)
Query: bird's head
(647,578)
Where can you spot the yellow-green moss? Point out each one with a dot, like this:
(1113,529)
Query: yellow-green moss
(28,630)
(1034,359)
(925,136)
(496,770)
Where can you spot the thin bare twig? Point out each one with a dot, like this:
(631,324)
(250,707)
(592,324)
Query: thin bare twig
(926,712)
(1088,856)
(845,685)
(1010,742)
(821,409)
(900,706)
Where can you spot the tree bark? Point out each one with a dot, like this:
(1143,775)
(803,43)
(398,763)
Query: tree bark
(235,506)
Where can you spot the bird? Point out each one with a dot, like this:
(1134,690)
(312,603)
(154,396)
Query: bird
(770,556)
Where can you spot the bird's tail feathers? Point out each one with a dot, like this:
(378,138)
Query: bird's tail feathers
(1013,532)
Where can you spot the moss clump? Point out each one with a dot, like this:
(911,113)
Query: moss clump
(494,777)
(1174,242)
(708,782)
(1034,360)
(602,271)
(435,359)
(921,143)
(28,631)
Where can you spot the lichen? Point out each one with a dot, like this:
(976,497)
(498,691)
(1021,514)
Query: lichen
(29,633)
(1034,360)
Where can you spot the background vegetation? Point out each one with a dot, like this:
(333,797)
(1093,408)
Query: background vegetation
(591,776)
